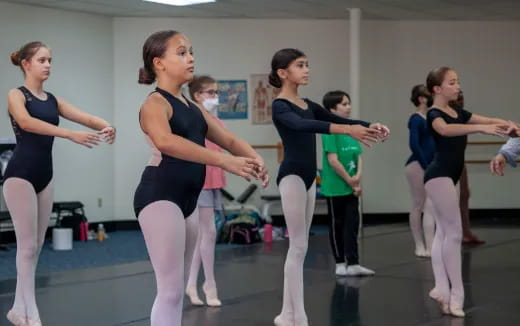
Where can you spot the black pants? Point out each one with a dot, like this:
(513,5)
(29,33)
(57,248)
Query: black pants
(343,228)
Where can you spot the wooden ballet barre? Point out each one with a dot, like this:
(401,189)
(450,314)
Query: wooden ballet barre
(278,147)
(481,161)
(265,146)
(486,143)
(479,143)
(477,161)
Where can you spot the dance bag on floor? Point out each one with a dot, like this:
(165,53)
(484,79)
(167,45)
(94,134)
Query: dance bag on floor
(244,233)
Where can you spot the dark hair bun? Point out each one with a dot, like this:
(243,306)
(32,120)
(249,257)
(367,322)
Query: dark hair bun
(15,58)
(274,79)
(145,77)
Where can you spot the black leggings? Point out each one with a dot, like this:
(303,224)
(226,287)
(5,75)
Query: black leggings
(343,228)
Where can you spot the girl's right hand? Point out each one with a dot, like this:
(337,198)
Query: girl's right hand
(363,134)
(241,166)
(87,139)
(500,130)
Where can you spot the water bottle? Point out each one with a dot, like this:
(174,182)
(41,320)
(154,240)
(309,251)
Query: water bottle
(268,233)
(101,232)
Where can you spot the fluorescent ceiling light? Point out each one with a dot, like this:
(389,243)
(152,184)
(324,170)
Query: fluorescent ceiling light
(181,2)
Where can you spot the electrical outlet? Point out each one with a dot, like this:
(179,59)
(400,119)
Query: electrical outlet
(100,202)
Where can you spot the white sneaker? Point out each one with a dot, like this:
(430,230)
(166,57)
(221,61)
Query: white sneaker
(341,270)
(358,270)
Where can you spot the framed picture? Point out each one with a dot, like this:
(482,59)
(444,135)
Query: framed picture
(263,96)
(233,99)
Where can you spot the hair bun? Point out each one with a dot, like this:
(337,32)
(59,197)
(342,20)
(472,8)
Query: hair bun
(145,77)
(15,58)
(274,80)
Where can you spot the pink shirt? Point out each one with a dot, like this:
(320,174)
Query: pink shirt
(215,177)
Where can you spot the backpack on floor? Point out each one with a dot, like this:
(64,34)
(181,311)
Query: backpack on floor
(244,233)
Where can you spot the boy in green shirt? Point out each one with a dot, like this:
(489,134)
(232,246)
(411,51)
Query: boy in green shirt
(341,177)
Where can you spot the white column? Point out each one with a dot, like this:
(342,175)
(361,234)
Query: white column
(355,53)
(355,94)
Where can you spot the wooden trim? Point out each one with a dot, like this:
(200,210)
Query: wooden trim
(278,146)
(480,143)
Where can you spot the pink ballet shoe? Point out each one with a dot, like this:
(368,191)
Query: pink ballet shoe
(301,323)
(456,310)
(445,307)
(34,322)
(435,295)
(280,321)
(16,319)
(191,292)
(211,296)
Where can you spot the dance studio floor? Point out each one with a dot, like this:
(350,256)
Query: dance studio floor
(250,284)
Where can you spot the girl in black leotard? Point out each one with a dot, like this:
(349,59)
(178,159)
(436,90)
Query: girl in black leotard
(28,187)
(170,185)
(297,121)
(450,128)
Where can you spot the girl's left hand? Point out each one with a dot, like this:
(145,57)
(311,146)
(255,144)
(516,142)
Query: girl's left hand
(384,131)
(263,174)
(109,134)
(513,130)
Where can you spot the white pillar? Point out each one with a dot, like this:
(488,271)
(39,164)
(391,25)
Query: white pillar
(355,53)
(355,94)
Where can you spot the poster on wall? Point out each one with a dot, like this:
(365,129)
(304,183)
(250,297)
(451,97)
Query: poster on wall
(232,99)
(263,96)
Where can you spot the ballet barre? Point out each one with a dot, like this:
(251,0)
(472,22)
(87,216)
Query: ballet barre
(278,146)
(484,143)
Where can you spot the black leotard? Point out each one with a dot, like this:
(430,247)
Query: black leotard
(175,180)
(297,128)
(32,157)
(448,160)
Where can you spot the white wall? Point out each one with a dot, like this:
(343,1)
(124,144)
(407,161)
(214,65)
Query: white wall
(398,55)
(395,56)
(97,58)
(225,49)
(82,74)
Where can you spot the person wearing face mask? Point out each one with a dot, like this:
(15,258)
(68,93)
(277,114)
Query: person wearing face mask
(203,90)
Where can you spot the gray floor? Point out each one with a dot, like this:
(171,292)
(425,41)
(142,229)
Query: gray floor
(250,285)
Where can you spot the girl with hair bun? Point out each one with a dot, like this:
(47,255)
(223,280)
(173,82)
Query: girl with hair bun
(28,186)
(297,121)
(166,198)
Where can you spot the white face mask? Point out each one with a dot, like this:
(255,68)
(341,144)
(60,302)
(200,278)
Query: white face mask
(211,104)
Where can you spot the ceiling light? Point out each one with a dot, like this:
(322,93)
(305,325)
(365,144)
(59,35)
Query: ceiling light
(181,2)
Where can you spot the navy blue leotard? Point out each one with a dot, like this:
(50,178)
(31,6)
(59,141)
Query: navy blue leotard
(448,160)
(422,143)
(297,128)
(32,157)
(175,180)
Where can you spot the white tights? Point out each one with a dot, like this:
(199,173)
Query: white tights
(30,212)
(170,240)
(298,209)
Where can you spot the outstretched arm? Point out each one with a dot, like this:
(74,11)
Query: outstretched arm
(72,113)
(17,109)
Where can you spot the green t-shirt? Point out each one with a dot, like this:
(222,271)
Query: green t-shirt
(348,150)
